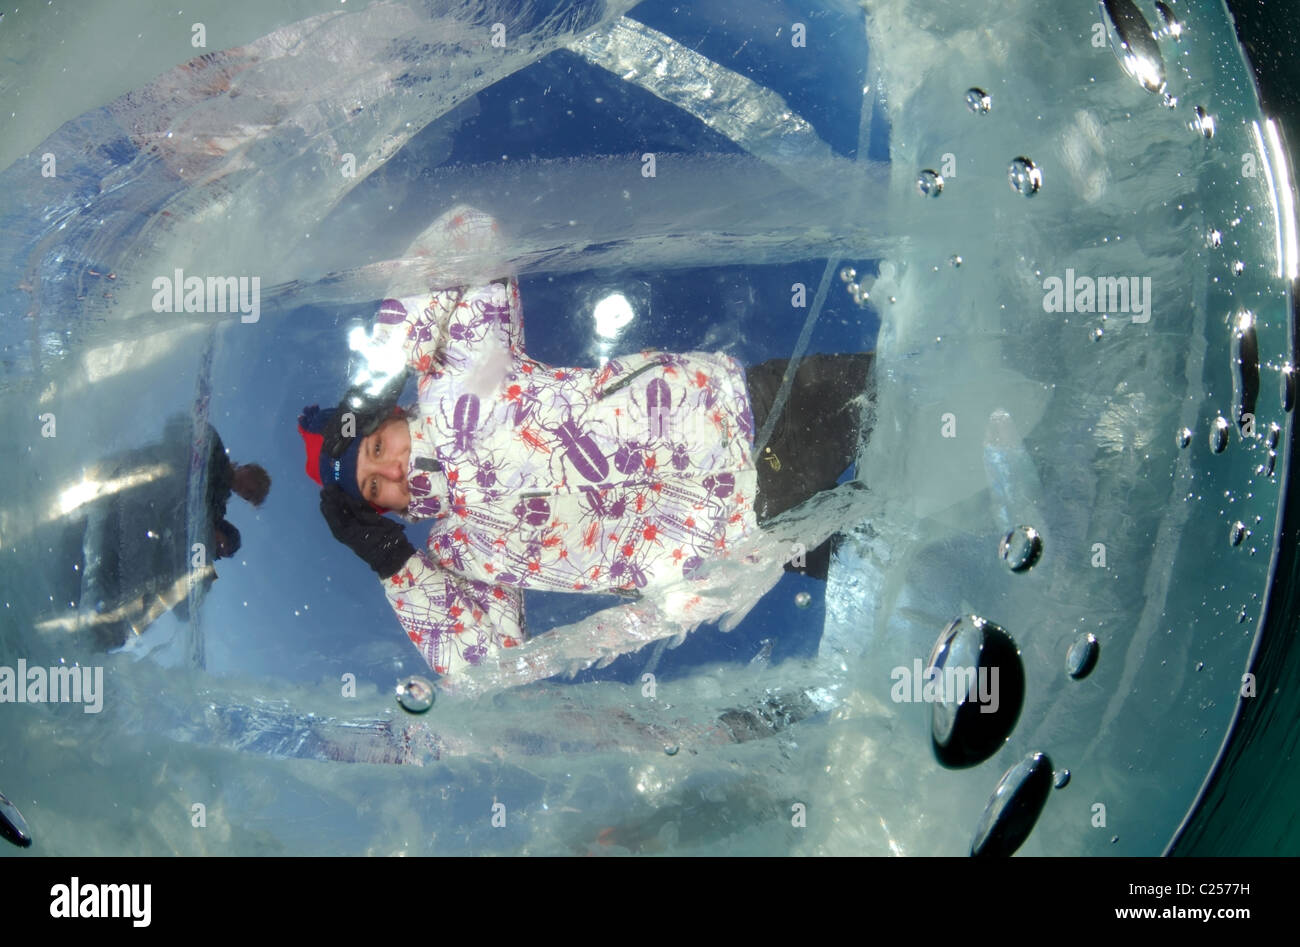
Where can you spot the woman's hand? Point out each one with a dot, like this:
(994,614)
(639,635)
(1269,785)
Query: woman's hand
(379,541)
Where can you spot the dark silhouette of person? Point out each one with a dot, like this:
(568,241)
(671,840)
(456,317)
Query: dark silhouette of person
(137,557)
(249,481)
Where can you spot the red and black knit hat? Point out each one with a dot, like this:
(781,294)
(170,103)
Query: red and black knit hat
(313,424)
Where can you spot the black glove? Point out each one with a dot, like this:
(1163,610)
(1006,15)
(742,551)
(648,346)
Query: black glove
(381,542)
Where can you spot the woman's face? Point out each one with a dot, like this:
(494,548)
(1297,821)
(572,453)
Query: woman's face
(382,464)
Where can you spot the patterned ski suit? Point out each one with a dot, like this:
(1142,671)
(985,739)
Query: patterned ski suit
(626,478)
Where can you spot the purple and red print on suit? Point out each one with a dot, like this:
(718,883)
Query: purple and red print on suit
(627,477)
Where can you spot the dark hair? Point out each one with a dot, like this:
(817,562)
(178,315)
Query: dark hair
(227,529)
(252,482)
(369,412)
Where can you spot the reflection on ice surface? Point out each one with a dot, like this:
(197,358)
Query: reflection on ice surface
(314,155)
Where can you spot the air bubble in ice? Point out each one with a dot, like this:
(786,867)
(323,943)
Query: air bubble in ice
(1014,808)
(929,183)
(978,101)
(848,274)
(1061,779)
(1238,267)
(976,669)
(1025,176)
(1169,24)
(1082,656)
(1274,432)
(1214,239)
(1184,437)
(1134,44)
(802,599)
(1021,548)
(1287,387)
(1097,334)
(12,825)
(1219,435)
(1237,532)
(954,261)
(415,694)
(1246,361)
(671,750)
(1202,122)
